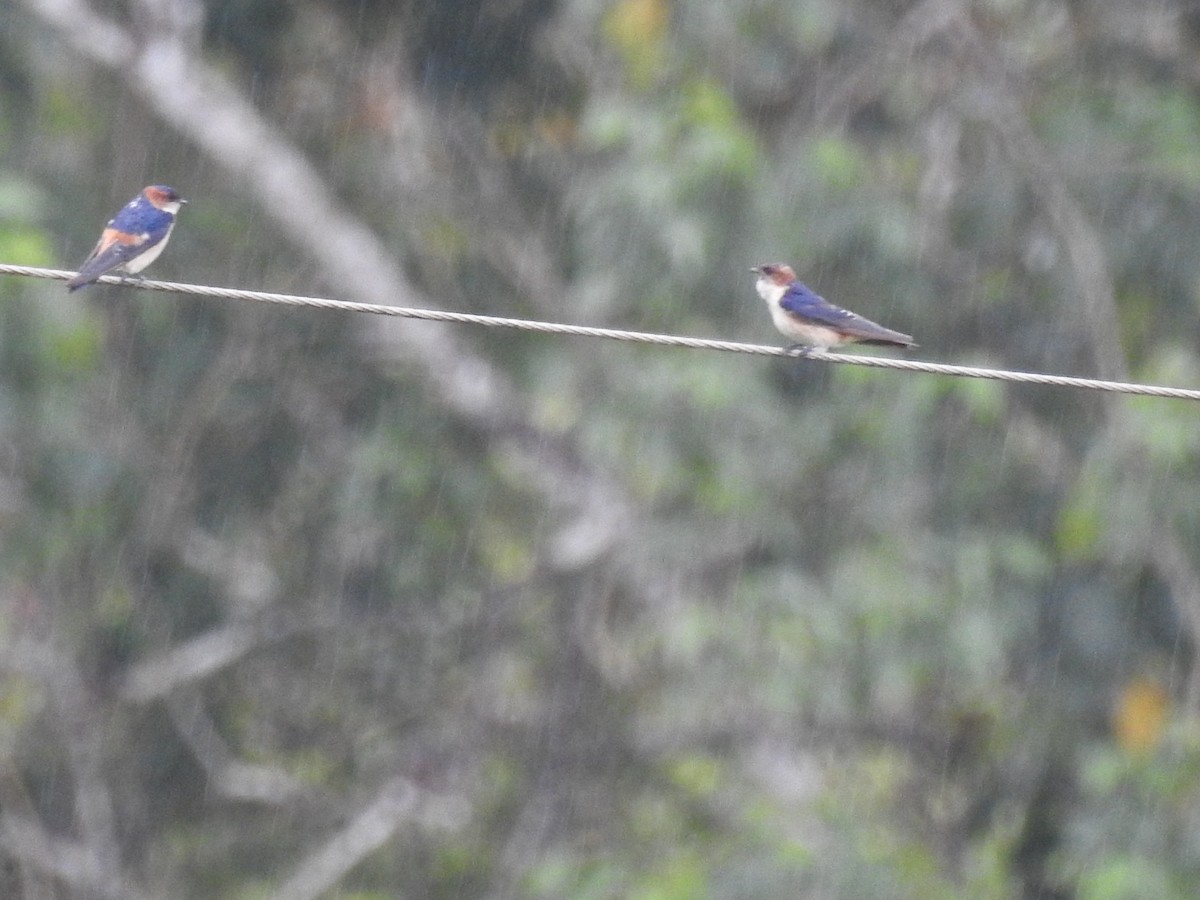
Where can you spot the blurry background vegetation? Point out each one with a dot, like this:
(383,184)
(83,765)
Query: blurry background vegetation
(299,604)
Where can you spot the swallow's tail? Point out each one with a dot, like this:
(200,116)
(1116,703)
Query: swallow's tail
(867,332)
(91,269)
(896,339)
(79,281)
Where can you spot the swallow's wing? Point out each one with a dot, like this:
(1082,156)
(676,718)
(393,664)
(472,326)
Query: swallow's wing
(115,248)
(807,306)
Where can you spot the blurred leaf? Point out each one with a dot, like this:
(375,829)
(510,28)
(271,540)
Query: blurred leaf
(25,247)
(563,877)
(1140,715)
(682,877)
(839,163)
(637,29)
(76,347)
(1079,528)
(696,774)
(1127,878)
(718,141)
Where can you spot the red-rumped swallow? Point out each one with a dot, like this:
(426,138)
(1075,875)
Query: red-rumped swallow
(811,320)
(134,237)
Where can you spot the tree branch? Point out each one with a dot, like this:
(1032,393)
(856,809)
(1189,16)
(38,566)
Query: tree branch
(75,864)
(229,776)
(367,832)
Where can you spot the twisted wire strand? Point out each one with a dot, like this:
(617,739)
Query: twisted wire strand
(641,337)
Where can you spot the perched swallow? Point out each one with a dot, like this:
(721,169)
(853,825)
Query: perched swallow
(134,237)
(812,320)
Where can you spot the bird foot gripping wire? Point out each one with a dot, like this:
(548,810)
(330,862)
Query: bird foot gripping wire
(800,351)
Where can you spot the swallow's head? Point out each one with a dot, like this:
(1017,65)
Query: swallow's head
(775,273)
(163,197)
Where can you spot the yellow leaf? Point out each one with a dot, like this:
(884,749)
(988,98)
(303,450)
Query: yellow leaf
(1140,715)
(637,29)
